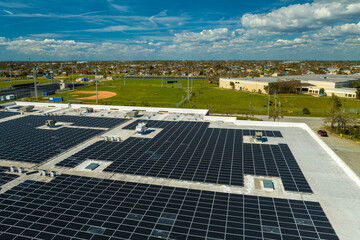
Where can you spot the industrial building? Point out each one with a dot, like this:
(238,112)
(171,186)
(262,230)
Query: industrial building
(339,85)
(121,172)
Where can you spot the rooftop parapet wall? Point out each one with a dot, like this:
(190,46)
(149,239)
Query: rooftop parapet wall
(119,108)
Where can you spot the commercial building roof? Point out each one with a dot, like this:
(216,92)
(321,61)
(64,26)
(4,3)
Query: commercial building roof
(313,77)
(193,177)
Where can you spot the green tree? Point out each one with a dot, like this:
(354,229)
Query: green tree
(232,84)
(276,114)
(270,88)
(334,113)
(322,90)
(356,84)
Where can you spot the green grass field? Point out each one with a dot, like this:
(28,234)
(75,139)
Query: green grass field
(143,92)
(4,84)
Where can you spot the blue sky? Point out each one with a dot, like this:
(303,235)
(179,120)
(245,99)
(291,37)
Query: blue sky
(179,30)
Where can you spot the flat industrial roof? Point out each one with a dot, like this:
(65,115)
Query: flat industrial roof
(310,77)
(157,172)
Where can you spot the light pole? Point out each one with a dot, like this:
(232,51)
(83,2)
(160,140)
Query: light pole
(72,73)
(35,84)
(268,101)
(97,99)
(51,72)
(188,84)
(11,83)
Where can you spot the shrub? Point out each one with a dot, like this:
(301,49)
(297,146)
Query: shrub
(306,111)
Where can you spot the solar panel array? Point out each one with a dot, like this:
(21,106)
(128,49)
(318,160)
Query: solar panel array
(7,114)
(192,151)
(164,124)
(4,169)
(6,177)
(20,140)
(89,208)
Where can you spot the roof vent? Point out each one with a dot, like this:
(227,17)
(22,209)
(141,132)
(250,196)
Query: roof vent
(141,128)
(51,122)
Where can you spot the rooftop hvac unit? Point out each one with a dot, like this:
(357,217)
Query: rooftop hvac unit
(118,139)
(132,113)
(52,174)
(258,136)
(89,110)
(141,128)
(26,108)
(43,173)
(106,139)
(51,122)
(20,170)
(12,169)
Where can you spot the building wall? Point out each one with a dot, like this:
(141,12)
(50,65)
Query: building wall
(322,84)
(349,94)
(241,85)
(341,94)
(252,85)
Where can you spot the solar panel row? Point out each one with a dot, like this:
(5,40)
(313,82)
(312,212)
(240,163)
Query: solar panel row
(192,151)
(4,169)
(89,208)
(164,124)
(20,140)
(6,177)
(7,114)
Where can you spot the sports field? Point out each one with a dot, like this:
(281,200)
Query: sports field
(158,93)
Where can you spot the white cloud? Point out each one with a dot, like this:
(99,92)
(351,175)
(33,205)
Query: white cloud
(71,48)
(214,35)
(48,35)
(303,17)
(297,42)
(8,12)
(11,4)
(119,28)
(345,30)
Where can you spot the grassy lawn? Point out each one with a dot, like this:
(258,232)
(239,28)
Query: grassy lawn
(236,102)
(4,84)
(133,95)
(145,92)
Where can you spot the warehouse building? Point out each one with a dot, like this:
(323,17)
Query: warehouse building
(339,85)
(185,175)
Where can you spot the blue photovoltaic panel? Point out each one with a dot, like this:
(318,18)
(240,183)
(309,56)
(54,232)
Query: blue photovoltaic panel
(89,208)
(7,114)
(194,152)
(6,177)
(20,140)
